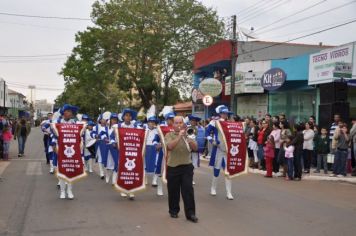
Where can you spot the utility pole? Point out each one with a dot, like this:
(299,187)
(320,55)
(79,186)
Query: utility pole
(233,65)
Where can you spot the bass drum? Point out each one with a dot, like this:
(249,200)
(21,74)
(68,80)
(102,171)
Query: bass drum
(91,146)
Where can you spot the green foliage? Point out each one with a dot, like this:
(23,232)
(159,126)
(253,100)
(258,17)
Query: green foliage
(144,45)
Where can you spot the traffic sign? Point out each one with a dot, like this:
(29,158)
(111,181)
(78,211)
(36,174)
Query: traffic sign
(207,100)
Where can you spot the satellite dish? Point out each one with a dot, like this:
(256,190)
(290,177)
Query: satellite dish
(248,33)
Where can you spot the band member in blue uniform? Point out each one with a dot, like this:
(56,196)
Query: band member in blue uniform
(45,127)
(195,131)
(168,115)
(218,156)
(67,114)
(151,155)
(100,133)
(128,117)
(89,147)
(113,154)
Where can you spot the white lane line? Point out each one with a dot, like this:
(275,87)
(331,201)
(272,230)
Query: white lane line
(3,166)
(20,159)
(34,168)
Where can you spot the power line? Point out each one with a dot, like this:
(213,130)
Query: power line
(271,7)
(34,56)
(308,17)
(248,9)
(311,29)
(260,9)
(304,36)
(45,17)
(294,14)
(37,26)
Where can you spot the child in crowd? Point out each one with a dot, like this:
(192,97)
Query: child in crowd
(289,156)
(322,147)
(269,155)
(7,137)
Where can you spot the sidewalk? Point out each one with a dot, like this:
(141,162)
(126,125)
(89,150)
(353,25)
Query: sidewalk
(311,176)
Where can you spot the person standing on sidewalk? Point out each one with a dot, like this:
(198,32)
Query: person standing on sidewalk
(22,131)
(297,142)
(353,136)
(269,154)
(343,138)
(308,135)
(322,149)
(6,136)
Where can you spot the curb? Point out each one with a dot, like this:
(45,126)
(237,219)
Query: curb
(351,180)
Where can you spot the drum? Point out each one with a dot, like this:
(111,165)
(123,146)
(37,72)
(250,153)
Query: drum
(91,146)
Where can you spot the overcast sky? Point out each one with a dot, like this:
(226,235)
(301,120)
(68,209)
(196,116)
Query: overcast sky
(33,36)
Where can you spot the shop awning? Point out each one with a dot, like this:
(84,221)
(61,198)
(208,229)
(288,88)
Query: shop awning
(220,51)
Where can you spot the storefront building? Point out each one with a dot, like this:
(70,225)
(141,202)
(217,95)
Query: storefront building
(333,72)
(294,97)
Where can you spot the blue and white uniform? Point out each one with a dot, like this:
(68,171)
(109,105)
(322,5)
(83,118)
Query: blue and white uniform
(100,132)
(218,154)
(151,154)
(63,183)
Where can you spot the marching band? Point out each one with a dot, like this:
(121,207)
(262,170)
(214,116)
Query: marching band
(100,144)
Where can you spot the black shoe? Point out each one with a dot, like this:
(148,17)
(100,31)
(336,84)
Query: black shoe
(174,215)
(193,219)
(102,177)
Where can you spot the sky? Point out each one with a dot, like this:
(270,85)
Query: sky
(21,37)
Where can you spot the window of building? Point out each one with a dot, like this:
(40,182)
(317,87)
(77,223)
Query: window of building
(297,105)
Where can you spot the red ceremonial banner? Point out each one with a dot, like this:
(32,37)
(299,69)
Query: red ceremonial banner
(235,143)
(70,163)
(131,174)
(162,131)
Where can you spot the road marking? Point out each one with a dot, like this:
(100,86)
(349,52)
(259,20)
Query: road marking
(34,168)
(3,166)
(21,159)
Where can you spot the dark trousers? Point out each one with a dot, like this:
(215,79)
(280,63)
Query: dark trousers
(340,160)
(275,160)
(308,156)
(180,180)
(298,155)
(46,145)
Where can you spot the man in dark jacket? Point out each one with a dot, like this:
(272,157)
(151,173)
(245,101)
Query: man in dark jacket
(297,142)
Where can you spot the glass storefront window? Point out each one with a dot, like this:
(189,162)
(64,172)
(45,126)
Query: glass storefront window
(296,105)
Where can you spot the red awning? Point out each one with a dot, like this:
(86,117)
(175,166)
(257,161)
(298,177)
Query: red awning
(184,106)
(220,51)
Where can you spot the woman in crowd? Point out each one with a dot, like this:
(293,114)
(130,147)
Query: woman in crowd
(252,143)
(276,133)
(262,135)
(285,133)
(308,146)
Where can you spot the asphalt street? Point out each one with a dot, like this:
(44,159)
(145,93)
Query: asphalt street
(30,205)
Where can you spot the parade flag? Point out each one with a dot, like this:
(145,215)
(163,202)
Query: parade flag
(162,131)
(131,172)
(70,163)
(235,146)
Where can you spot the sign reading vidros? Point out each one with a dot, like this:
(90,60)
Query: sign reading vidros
(323,64)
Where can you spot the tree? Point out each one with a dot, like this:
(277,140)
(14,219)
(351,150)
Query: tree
(142,48)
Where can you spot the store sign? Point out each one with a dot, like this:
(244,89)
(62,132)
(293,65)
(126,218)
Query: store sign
(322,65)
(343,70)
(210,87)
(273,79)
(246,82)
(208,100)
